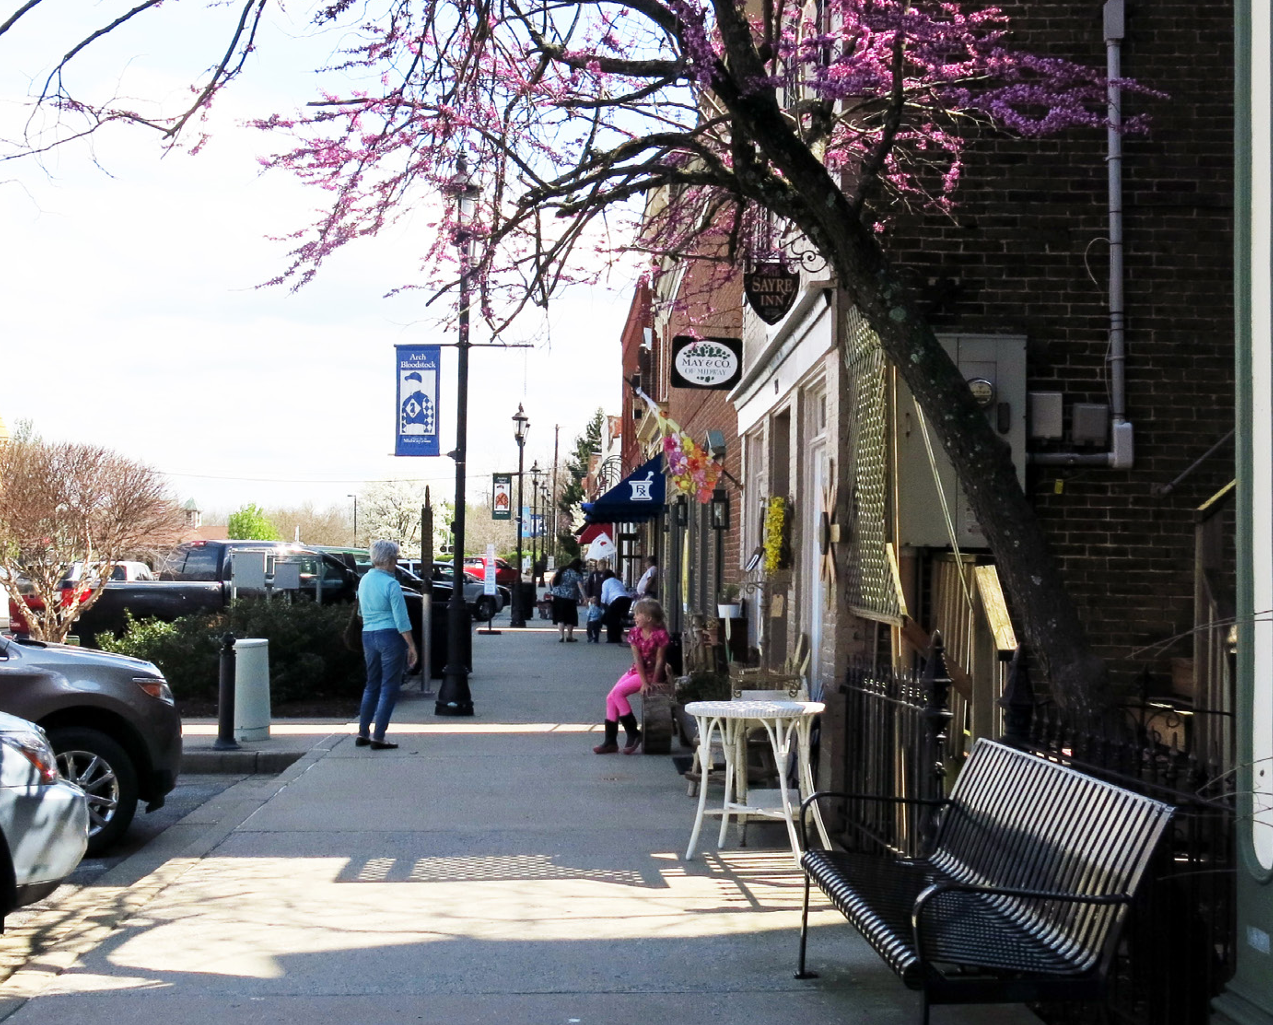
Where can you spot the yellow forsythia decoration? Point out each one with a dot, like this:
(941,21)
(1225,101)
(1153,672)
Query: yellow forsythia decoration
(775,519)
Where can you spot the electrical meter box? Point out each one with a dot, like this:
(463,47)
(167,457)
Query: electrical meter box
(994,368)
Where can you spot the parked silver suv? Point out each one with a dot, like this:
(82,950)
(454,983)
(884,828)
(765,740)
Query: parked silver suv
(110,719)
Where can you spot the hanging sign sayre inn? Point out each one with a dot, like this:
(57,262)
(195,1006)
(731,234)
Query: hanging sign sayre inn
(709,363)
(771,290)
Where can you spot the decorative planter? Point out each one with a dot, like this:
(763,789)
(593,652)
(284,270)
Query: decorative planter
(728,611)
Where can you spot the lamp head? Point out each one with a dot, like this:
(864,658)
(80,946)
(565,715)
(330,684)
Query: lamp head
(521,425)
(461,187)
(719,509)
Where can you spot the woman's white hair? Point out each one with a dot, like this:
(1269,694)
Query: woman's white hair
(383,553)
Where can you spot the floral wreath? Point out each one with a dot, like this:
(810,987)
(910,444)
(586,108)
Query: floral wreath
(692,471)
(775,521)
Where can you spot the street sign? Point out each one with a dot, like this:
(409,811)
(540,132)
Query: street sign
(417,400)
(488,576)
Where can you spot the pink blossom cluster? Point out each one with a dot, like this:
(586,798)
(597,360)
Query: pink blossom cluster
(573,116)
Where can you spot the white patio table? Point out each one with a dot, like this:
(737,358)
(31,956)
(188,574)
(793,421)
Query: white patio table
(783,722)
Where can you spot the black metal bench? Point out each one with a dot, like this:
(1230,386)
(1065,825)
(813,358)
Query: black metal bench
(1023,895)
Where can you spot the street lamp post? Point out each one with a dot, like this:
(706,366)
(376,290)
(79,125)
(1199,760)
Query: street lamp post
(543,520)
(453,694)
(355,498)
(517,617)
(534,518)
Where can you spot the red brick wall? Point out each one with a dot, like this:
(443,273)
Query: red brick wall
(711,307)
(1020,257)
(633,333)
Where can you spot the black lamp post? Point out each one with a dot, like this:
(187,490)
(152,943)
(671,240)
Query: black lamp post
(355,498)
(534,518)
(517,617)
(453,695)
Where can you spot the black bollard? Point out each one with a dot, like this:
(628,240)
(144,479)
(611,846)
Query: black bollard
(225,698)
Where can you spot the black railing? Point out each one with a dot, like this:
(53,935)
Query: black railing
(894,746)
(1178,950)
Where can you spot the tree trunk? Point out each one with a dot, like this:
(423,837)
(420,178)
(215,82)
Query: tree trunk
(813,200)
(981,460)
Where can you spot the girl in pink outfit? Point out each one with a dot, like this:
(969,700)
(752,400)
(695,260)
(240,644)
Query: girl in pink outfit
(649,642)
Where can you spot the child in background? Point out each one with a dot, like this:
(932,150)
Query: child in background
(595,614)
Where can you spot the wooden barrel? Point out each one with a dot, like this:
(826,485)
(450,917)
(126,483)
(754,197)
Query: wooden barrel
(656,721)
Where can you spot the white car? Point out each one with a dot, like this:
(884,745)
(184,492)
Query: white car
(43,818)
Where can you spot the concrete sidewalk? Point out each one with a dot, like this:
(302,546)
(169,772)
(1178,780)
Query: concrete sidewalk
(491,869)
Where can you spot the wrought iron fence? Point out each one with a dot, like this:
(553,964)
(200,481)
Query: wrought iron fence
(1178,949)
(894,746)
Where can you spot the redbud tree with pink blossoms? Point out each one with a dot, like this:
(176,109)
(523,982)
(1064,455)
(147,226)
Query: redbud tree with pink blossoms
(679,128)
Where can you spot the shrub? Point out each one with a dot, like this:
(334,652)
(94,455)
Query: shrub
(308,658)
(187,652)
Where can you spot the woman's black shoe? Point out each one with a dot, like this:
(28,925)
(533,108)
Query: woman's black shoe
(362,741)
(382,745)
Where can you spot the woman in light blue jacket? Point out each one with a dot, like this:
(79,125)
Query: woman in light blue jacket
(387,644)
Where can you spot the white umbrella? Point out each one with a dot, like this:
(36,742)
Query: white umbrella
(602,548)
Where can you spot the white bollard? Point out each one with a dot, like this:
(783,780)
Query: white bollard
(252,689)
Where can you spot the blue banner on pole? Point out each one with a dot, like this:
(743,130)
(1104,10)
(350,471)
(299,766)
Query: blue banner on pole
(417,433)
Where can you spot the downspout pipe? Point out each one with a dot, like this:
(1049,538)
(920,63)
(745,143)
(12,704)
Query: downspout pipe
(1122,429)
(1121,454)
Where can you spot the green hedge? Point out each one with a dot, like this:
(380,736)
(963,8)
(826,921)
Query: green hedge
(308,659)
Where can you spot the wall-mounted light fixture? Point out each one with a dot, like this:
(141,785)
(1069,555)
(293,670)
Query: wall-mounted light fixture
(719,510)
(682,512)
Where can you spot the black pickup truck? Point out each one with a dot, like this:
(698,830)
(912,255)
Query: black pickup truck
(197,577)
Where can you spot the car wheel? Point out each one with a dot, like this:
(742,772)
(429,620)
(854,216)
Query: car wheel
(486,607)
(103,770)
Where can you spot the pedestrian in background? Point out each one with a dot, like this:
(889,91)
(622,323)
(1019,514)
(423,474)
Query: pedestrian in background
(592,587)
(616,601)
(649,640)
(567,592)
(388,646)
(595,615)
(648,585)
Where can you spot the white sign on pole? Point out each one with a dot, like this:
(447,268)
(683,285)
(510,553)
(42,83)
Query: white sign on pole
(488,578)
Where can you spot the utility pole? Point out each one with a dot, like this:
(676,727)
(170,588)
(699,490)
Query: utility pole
(553,502)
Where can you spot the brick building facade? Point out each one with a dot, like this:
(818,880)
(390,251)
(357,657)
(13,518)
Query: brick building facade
(1027,253)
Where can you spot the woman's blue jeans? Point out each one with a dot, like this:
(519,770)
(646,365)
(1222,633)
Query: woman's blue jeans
(386,655)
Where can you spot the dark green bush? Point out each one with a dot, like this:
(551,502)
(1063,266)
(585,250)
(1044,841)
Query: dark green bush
(187,652)
(308,659)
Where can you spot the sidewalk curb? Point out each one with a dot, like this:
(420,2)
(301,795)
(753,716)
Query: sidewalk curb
(245,763)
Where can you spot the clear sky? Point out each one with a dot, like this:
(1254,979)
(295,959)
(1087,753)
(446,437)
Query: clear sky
(130,316)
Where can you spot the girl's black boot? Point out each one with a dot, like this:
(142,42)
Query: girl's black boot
(611,744)
(633,739)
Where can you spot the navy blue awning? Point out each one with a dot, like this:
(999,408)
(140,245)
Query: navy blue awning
(639,496)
